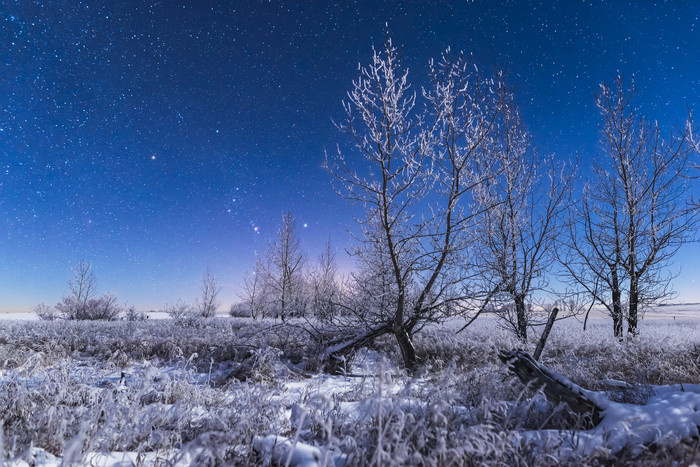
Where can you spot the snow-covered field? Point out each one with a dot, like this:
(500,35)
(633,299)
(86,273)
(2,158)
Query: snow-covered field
(238,392)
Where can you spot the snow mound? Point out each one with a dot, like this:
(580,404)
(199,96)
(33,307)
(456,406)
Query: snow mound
(284,451)
(667,418)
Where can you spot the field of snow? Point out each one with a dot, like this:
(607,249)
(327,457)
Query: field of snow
(235,391)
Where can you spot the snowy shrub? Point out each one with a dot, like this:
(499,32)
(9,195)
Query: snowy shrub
(45,312)
(132,315)
(100,308)
(73,412)
(184,314)
(239,310)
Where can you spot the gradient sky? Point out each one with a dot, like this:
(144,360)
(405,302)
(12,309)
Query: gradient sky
(160,138)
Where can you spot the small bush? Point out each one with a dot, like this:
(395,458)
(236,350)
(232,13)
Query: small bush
(102,308)
(240,310)
(45,312)
(184,314)
(132,315)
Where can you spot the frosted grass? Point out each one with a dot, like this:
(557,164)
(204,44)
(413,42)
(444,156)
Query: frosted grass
(150,393)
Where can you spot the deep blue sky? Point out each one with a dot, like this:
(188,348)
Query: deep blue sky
(160,138)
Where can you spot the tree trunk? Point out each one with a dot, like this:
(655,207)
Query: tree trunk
(335,357)
(408,351)
(616,302)
(545,333)
(521,316)
(556,387)
(617,322)
(632,318)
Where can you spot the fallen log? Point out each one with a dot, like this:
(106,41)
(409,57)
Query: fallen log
(335,356)
(670,415)
(557,388)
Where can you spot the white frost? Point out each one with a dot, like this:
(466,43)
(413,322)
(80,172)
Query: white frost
(668,417)
(285,452)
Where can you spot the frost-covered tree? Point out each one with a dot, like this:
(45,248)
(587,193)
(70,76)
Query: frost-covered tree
(255,294)
(82,288)
(284,271)
(633,217)
(414,171)
(208,301)
(81,302)
(525,210)
(594,254)
(325,289)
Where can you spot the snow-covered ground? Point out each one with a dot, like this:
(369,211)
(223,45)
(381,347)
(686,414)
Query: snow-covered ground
(148,393)
(20,316)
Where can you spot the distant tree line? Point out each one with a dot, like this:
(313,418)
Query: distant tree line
(82,302)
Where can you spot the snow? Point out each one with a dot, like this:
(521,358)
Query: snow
(668,417)
(39,457)
(284,451)
(672,412)
(19,316)
(35,457)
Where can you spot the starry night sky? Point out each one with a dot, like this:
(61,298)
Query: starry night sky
(160,138)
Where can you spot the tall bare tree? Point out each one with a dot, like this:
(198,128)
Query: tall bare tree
(634,214)
(82,303)
(285,269)
(593,257)
(417,171)
(208,301)
(525,211)
(255,291)
(324,281)
(83,285)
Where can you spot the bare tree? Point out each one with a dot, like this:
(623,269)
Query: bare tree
(525,209)
(594,254)
(208,304)
(634,215)
(82,288)
(326,293)
(255,291)
(417,174)
(81,303)
(284,270)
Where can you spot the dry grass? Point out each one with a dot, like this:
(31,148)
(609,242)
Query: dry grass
(60,391)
